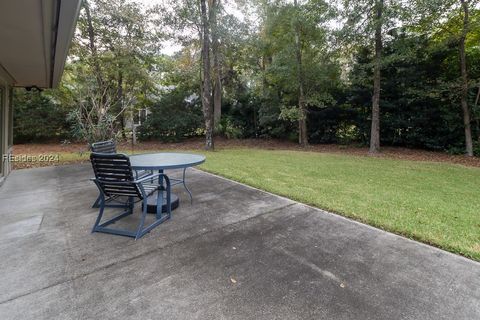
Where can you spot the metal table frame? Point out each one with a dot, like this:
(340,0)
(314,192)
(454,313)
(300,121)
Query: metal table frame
(194,161)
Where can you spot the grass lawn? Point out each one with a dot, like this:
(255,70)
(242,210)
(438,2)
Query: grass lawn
(437,203)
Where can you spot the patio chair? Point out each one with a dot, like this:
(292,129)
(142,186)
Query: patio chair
(109,146)
(115,180)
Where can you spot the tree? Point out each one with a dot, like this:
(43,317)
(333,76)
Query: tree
(196,25)
(464,74)
(302,114)
(450,20)
(206,79)
(214,8)
(92,43)
(375,131)
(296,62)
(116,43)
(418,110)
(366,23)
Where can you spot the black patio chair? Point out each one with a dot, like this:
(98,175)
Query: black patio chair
(115,180)
(109,146)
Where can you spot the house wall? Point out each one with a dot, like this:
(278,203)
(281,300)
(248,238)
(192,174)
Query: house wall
(6,125)
(35,37)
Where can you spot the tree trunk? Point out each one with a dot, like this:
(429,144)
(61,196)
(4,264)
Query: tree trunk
(92,45)
(302,120)
(120,102)
(375,130)
(264,75)
(134,132)
(475,116)
(217,70)
(206,87)
(464,91)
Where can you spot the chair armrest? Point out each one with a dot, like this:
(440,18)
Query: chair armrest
(142,173)
(137,181)
(150,177)
(158,187)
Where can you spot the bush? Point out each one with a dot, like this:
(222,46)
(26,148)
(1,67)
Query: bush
(459,149)
(333,125)
(227,128)
(176,116)
(91,131)
(37,117)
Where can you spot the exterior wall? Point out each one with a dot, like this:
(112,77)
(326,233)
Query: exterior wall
(6,127)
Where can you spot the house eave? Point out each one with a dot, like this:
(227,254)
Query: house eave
(35,37)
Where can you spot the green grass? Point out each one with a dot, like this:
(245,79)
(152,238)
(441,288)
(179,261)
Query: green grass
(435,203)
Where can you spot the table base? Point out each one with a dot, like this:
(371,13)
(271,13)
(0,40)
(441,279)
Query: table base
(152,202)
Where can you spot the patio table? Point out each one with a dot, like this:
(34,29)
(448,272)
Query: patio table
(166,161)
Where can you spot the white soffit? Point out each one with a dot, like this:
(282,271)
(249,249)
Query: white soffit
(33,47)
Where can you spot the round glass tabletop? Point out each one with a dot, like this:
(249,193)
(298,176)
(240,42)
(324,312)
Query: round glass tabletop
(165,160)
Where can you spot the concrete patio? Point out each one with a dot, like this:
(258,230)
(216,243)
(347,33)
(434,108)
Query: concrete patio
(236,253)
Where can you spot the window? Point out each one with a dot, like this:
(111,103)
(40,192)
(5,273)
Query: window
(140,117)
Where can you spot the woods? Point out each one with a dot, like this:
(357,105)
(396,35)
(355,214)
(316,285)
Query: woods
(369,72)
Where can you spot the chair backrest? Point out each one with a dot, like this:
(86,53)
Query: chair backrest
(114,174)
(108,146)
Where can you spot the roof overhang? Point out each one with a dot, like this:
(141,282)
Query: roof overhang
(35,36)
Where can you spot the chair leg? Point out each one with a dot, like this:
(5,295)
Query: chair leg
(100,226)
(159,203)
(169,202)
(185,186)
(100,214)
(97,202)
(130,204)
(142,219)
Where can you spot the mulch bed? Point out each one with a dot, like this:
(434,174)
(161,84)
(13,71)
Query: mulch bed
(270,144)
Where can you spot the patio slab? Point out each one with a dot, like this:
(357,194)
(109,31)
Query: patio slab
(236,253)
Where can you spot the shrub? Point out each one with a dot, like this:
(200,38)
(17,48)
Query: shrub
(37,117)
(229,129)
(176,116)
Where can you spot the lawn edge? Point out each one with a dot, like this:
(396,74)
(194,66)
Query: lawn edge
(364,222)
(406,235)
